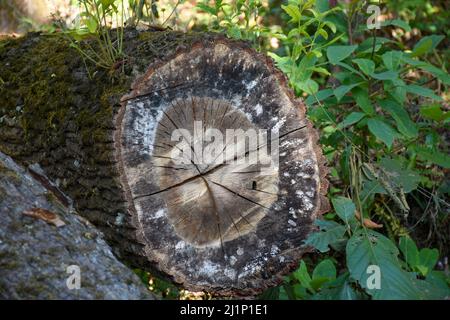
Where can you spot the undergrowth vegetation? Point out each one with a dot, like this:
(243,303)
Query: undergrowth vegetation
(380,103)
(374,78)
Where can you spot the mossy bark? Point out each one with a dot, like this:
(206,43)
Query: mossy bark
(58,111)
(82,128)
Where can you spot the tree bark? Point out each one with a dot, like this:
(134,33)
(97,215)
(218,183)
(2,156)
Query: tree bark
(231,229)
(43,245)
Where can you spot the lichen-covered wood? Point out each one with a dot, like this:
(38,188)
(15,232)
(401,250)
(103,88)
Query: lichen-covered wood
(40,238)
(226,228)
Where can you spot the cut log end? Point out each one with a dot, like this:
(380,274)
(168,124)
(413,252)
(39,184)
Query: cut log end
(220,167)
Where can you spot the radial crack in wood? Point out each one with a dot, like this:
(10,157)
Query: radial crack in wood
(227,223)
(182,174)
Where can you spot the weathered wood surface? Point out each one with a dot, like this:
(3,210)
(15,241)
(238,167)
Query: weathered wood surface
(226,228)
(40,238)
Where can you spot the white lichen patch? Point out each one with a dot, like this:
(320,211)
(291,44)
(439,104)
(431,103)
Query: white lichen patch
(233,260)
(274,250)
(119,219)
(209,269)
(159,214)
(292,213)
(240,251)
(258,109)
(292,223)
(180,245)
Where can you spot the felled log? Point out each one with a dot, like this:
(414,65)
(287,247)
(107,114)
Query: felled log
(230,228)
(49,252)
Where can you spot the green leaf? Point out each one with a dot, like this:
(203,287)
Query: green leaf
(302,275)
(382,131)
(367,66)
(341,91)
(422,91)
(234,32)
(309,86)
(392,59)
(325,269)
(401,117)
(323,33)
(303,71)
(331,233)
(293,11)
(330,25)
(409,251)
(398,23)
(206,8)
(320,95)
(399,176)
(369,248)
(363,101)
(352,118)
(434,112)
(426,44)
(339,53)
(344,207)
(428,258)
(339,289)
(321,70)
(434,156)
(397,90)
(91,24)
(387,75)
(439,73)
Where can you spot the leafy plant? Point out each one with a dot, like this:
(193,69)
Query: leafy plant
(411,278)
(238,19)
(95,21)
(379,104)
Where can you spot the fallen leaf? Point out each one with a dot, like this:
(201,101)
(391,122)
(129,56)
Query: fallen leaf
(45,215)
(367,222)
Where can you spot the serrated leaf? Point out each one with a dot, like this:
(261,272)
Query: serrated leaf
(293,11)
(344,208)
(399,176)
(370,248)
(382,131)
(331,232)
